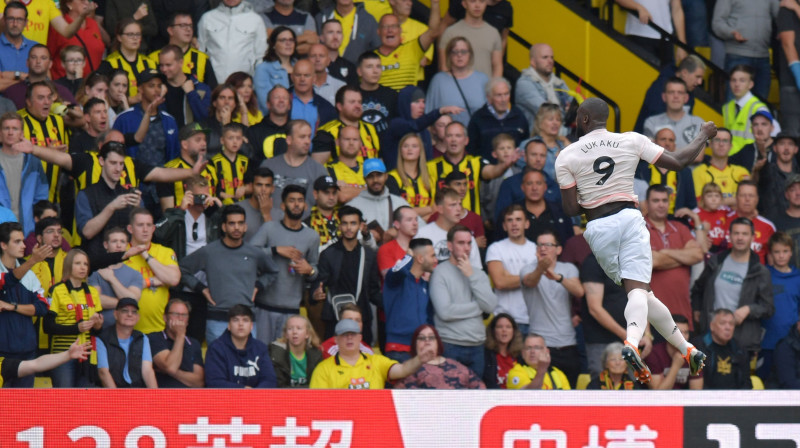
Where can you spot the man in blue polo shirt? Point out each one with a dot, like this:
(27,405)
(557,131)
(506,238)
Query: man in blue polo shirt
(406,298)
(14,47)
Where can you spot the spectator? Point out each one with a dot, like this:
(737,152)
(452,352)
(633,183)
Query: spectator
(680,184)
(295,167)
(406,224)
(177,357)
(439,372)
(412,29)
(406,300)
(457,79)
(376,202)
(231,165)
(277,65)
(43,209)
(547,126)
(226,108)
(787,27)
(511,188)
(117,281)
(734,280)
(39,63)
(746,203)
(728,363)
(324,85)
(675,251)
(296,354)
(179,26)
(47,17)
(347,172)
(349,105)
(503,347)
(746,29)
(232,48)
(324,218)
(285,14)
(264,134)
(48,240)
(193,149)
(159,267)
(787,221)
(547,285)
(457,181)
(74,312)
(379,103)
(786,290)
(232,278)
(116,11)
(534,371)
(505,260)
(615,375)
(503,149)
(402,58)
(337,276)
(359,28)
(410,179)
(668,16)
(306,104)
(773,177)
(684,125)
(249,111)
(538,85)
(89,37)
(16,369)
(74,58)
(23,180)
(347,311)
(484,39)
(331,36)
(450,211)
(95,112)
(714,217)
(129,57)
(295,251)
(236,359)
(496,117)
(360,370)
(754,156)
(187,99)
(460,293)
(737,111)
(718,170)
(669,370)
(499,14)
(691,70)
(787,372)
(542,215)
(18,336)
(15,46)
(124,358)
(117,92)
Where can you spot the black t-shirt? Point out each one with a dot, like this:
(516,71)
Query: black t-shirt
(192,354)
(81,142)
(614,301)
(343,70)
(348,275)
(500,15)
(380,106)
(173,102)
(726,368)
(787,21)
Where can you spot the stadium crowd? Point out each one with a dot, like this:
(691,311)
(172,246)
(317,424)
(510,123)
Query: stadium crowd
(339,194)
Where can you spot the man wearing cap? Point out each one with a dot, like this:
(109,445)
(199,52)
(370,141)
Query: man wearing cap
(773,178)
(193,148)
(123,354)
(352,369)
(155,129)
(754,155)
(788,220)
(375,202)
(685,125)
(324,219)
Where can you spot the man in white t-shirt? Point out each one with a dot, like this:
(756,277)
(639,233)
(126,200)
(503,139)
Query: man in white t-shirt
(663,13)
(448,205)
(505,259)
(596,177)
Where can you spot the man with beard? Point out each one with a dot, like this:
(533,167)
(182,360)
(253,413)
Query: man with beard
(193,148)
(295,250)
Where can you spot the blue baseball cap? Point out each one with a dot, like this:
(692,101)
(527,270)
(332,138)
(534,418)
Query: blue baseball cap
(373,165)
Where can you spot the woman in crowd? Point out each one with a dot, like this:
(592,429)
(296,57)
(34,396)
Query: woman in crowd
(296,354)
(460,85)
(547,125)
(75,313)
(90,37)
(615,375)
(118,92)
(128,57)
(248,104)
(224,109)
(503,346)
(437,135)
(440,372)
(141,11)
(277,65)
(410,179)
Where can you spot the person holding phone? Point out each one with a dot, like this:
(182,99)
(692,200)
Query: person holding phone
(193,141)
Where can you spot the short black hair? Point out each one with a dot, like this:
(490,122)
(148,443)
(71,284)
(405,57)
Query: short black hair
(6,229)
(367,55)
(550,232)
(419,242)
(112,146)
(34,85)
(232,209)
(45,223)
(240,310)
(658,188)
(92,102)
(680,319)
(349,210)
(344,89)
(455,229)
(397,215)
(675,80)
(44,205)
(292,188)
(17,5)
(264,171)
(742,221)
(112,230)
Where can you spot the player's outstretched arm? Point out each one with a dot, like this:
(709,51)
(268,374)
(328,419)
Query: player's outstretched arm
(569,200)
(681,158)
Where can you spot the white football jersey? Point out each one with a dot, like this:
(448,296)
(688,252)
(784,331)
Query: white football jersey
(602,165)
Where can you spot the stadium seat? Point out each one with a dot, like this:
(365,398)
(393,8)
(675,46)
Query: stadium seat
(757,383)
(583,380)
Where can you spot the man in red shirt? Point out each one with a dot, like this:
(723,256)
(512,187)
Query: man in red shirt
(404,220)
(674,252)
(746,203)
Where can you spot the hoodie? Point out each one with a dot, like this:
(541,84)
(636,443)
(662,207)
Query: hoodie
(377,208)
(229,367)
(785,297)
(404,124)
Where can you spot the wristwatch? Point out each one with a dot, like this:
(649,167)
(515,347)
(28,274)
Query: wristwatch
(561,279)
(16,305)
(147,257)
(17,75)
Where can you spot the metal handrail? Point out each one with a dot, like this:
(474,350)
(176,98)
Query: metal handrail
(560,69)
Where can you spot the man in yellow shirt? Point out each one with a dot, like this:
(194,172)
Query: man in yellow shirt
(536,373)
(159,267)
(348,172)
(352,369)
(719,171)
(42,14)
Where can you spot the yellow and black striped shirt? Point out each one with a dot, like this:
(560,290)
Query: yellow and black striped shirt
(230,173)
(340,171)
(176,189)
(48,132)
(415,194)
(65,299)
(195,62)
(328,133)
(470,165)
(142,63)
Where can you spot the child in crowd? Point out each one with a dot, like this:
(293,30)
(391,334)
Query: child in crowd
(231,166)
(503,149)
(73,58)
(714,216)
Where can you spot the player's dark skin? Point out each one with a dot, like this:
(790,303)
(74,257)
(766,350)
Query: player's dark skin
(593,115)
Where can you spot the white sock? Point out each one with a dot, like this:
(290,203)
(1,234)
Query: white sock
(659,316)
(636,316)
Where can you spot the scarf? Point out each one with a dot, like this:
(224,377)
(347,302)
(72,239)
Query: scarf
(549,86)
(606,383)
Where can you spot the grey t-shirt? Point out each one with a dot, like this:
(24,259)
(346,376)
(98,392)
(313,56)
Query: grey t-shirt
(252,217)
(686,129)
(728,284)
(12,169)
(549,306)
(127,276)
(303,175)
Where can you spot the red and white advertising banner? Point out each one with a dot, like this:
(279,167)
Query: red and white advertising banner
(96,418)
